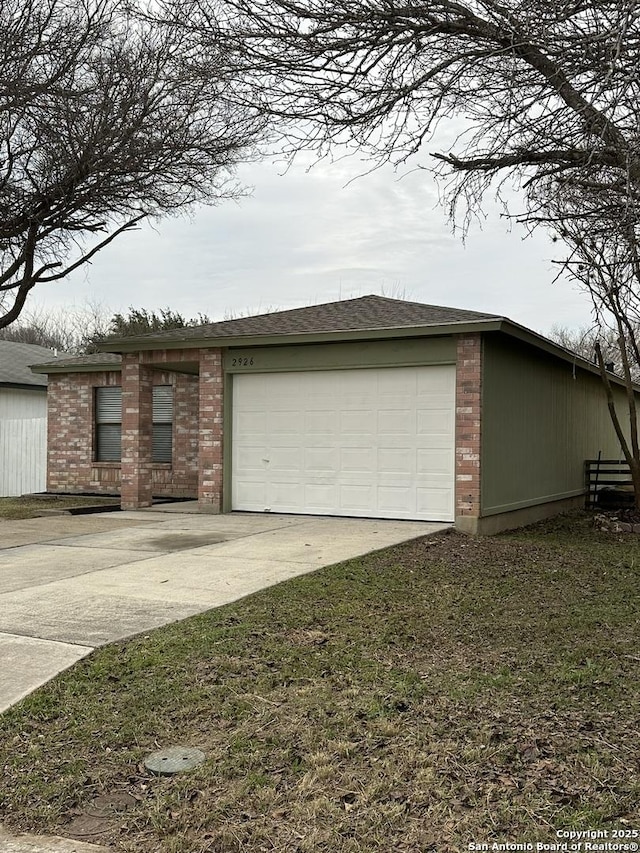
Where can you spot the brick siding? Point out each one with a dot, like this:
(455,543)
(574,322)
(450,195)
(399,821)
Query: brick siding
(211,390)
(71,465)
(468,424)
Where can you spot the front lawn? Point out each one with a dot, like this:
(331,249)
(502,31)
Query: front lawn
(32,506)
(438,694)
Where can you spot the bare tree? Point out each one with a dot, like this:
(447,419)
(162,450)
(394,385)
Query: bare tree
(582,341)
(545,93)
(105,118)
(604,261)
(542,89)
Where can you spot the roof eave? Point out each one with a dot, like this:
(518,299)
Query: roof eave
(24,386)
(124,345)
(515,330)
(86,367)
(497,324)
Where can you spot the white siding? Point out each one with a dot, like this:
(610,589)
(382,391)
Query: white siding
(23,441)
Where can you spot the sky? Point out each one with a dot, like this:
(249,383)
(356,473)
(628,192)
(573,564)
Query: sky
(321,233)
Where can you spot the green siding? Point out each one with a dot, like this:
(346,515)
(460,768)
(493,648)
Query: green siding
(541,418)
(341,356)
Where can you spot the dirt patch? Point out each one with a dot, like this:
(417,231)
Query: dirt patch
(101,817)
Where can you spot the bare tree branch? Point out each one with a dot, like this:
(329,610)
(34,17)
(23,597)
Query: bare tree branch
(106,117)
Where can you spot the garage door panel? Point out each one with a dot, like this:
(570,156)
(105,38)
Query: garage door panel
(356,499)
(368,442)
(321,460)
(357,460)
(251,459)
(357,422)
(283,459)
(321,497)
(321,422)
(285,422)
(396,460)
(401,422)
(435,501)
(250,422)
(252,494)
(435,461)
(435,422)
(402,385)
(396,500)
(434,380)
(286,494)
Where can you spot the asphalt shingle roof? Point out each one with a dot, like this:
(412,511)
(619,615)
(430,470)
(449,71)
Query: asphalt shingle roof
(15,361)
(92,360)
(362,314)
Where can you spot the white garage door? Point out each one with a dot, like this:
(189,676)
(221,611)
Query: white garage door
(371,442)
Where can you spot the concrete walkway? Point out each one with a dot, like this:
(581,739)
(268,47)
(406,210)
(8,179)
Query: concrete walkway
(71,583)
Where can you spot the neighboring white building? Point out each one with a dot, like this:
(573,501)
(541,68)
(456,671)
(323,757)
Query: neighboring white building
(23,419)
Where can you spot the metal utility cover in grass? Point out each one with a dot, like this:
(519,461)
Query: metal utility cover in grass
(174,759)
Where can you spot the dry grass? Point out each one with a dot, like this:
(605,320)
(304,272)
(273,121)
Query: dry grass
(31,506)
(439,693)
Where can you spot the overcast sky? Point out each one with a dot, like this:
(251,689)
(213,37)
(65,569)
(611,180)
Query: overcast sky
(309,236)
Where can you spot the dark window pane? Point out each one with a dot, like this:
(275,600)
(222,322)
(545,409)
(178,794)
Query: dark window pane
(162,443)
(108,438)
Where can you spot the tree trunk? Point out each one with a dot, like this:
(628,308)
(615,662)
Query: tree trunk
(632,457)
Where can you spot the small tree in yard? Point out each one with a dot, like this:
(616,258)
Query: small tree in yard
(105,118)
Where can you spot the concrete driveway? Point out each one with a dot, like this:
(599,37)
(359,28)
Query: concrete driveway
(71,583)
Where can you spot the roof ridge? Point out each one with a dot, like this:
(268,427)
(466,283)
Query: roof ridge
(330,315)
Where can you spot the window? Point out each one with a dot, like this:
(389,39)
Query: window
(109,423)
(162,423)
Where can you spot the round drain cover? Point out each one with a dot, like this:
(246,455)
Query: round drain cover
(174,759)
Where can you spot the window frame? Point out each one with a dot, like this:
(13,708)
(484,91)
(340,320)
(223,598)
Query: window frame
(103,421)
(107,418)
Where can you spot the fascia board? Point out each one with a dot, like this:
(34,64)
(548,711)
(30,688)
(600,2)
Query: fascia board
(135,345)
(514,330)
(92,367)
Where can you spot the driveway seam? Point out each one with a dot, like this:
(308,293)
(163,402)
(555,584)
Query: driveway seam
(47,640)
(149,555)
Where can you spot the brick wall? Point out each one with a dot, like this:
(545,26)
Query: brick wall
(137,432)
(211,390)
(71,436)
(468,425)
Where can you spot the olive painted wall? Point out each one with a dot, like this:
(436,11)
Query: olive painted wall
(407,352)
(541,418)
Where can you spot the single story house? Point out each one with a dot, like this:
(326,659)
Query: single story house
(23,419)
(369,407)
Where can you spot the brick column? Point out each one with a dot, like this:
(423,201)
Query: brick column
(137,433)
(468,430)
(210,431)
